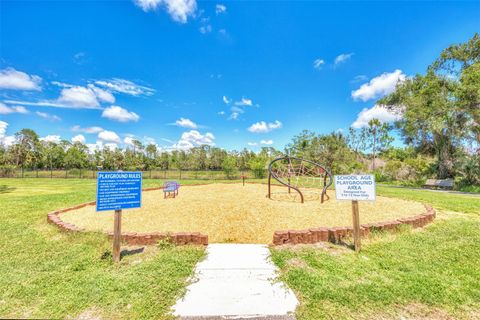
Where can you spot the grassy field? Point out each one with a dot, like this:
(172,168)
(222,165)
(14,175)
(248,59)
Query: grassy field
(417,274)
(431,273)
(49,274)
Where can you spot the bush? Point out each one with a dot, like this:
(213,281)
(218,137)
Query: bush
(230,167)
(7,171)
(257,165)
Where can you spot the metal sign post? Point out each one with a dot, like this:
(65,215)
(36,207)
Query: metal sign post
(117,191)
(355,188)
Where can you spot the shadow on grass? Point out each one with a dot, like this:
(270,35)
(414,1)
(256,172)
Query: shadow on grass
(130,252)
(6,189)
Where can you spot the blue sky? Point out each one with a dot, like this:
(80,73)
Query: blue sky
(179,73)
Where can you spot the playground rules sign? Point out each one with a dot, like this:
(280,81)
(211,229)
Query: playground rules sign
(355,187)
(119,190)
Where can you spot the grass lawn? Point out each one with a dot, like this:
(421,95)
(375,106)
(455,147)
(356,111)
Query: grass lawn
(417,274)
(49,274)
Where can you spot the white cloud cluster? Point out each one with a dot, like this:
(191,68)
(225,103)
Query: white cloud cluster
(4,139)
(77,128)
(84,97)
(125,86)
(48,116)
(343,58)
(18,80)
(179,10)
(51,138)
(4,109)
(226,100)
(318,63)
(244,102)
(379,86)
(220,8)
(263,127)
(79,138)
(193,138)
(119,114)
(267,142)
(109,136)
(186,123)
(376,112)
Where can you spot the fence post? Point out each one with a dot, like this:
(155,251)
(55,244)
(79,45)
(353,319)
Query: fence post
(66,173)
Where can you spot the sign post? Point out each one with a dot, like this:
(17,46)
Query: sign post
(117,191)
(355,188)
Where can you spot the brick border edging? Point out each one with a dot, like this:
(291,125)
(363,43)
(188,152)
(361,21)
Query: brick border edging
(337,234)
(132,238)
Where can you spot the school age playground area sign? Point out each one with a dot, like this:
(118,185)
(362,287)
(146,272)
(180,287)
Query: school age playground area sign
(119,190)
(355,187)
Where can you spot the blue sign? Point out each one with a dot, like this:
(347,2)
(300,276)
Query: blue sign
(119,190)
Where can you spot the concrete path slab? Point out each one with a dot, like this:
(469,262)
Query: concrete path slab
(236,281)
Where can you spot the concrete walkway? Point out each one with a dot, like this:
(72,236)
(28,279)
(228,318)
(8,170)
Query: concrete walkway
(236,281)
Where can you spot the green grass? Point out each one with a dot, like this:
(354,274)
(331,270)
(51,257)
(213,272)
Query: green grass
(440,200)
(430,273)
(50,274)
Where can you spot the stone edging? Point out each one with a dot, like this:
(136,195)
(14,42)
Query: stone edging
(337,234)
(132,238)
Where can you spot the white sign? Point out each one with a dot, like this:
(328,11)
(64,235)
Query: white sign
(355,187)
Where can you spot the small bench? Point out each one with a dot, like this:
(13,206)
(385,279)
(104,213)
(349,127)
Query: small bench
(170,187)
(439,183)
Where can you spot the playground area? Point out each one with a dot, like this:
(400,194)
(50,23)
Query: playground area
(240,214)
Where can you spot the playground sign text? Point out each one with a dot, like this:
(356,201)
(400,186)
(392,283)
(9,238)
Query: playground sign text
(355,187)
(119,190)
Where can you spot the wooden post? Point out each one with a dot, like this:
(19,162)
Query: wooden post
(117,235)
(356,226)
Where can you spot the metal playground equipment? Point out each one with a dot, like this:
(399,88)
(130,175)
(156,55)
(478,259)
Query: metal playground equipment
(300,175)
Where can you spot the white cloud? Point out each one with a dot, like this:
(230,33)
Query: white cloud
(109,136)
(179,10)
(205,29)
(18,80)
(263,127)
(186,123)
(128,141)
(226,100)
(79,97)
(101,94)
(77,128)
(125,86)
(244,102)
(4,139)
(46,103)
(51,138)
(79,138)
(4,109)
(359,78)
(220,8)
(379,86)
(318,63)
(376,112)
(120,114)
(252,144)
(48,116)
(267,142)
(343,58)
(234,116)
(221,113)
(193,138)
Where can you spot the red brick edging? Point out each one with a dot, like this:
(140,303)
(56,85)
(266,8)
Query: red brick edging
(337,234)
(132,238)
